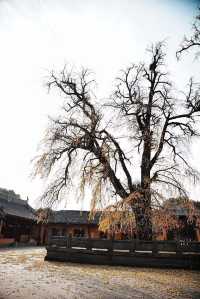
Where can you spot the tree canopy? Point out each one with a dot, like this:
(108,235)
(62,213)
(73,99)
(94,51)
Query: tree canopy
(156,121)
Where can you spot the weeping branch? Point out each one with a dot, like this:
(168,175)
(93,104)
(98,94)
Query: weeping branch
(157,118)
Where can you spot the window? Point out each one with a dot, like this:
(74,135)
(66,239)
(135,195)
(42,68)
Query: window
(63,232)
(79,232)
(55,232)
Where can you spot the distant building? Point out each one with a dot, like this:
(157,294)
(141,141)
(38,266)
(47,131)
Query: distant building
(70,222)
(18,222)
(187,214)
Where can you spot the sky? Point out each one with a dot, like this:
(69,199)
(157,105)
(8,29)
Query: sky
(103,35)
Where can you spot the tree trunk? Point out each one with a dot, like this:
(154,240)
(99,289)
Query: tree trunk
(143,219)
(143,209)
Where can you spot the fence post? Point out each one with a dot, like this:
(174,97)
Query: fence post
(69,241)
(88,244)
(137,244)
(133,245)
(178,248)
(154,247)
(110,248)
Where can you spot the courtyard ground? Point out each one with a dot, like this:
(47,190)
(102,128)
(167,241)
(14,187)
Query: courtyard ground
(24,274)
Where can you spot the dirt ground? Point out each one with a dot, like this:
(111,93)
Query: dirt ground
(24,274)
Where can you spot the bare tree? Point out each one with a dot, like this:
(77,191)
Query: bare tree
(194,40)
(156,117)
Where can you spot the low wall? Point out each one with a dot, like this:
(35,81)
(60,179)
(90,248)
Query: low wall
(6,242)
(127,252)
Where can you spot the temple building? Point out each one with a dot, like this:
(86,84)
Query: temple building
(69,222)
(18,222)
(188,220)
(21,224)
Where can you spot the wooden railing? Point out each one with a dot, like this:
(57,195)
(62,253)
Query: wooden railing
(125,252)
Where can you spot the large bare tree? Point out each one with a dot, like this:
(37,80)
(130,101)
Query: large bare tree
(156,117)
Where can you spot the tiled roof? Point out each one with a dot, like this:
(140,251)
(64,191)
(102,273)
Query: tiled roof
(17,207)
(177,207)
(72,217)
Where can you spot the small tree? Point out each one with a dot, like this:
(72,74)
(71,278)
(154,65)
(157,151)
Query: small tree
(156,117)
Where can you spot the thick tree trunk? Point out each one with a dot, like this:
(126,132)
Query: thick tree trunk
(143,219)
(143,209)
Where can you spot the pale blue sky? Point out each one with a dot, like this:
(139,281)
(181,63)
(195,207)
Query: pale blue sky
(37,36)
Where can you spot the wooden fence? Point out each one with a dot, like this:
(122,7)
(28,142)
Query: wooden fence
(125,252)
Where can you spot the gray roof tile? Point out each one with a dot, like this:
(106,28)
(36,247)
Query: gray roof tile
(18,208)
(72,217)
